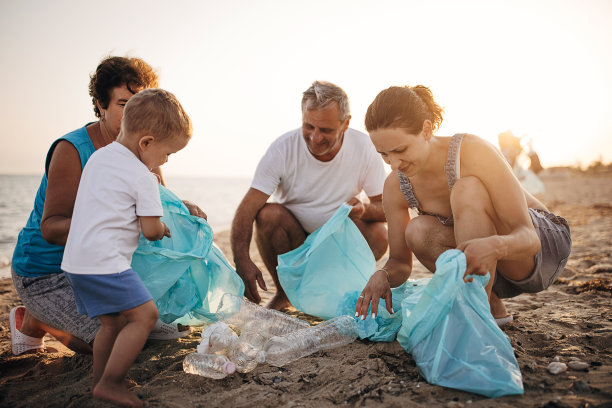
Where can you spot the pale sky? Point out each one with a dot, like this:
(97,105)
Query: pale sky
(542,69)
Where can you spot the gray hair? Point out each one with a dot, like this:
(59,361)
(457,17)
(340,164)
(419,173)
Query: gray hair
(321,94)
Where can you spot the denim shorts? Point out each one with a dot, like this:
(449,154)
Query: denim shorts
(106,294)
(556,245)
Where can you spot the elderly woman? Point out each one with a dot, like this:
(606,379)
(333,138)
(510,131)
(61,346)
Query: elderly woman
(466,197)
(40,283)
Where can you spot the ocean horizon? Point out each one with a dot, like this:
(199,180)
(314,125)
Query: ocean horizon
(218,197)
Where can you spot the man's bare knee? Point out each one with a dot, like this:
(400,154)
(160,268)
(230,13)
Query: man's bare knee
(270,215)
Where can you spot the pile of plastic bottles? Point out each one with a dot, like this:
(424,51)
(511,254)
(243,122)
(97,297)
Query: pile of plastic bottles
(265,336)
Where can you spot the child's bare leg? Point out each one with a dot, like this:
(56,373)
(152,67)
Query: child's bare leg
(128,344)
(110,326)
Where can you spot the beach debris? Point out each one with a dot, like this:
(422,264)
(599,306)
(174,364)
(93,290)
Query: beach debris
(215,366)
(454,404)
(578,365)
(336,332)
(556,367)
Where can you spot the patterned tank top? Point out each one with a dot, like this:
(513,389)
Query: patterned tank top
(451,168)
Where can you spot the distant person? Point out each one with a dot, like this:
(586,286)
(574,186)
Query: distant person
(118,197)
(511,148)
(37,276)
(466,197)
(311,170)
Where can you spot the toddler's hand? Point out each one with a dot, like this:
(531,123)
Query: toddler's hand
(166,231)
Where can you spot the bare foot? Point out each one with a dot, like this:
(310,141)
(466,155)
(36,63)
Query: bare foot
(498,309)
(117,394)
(278,302)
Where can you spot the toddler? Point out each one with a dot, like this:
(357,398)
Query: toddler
(118,197)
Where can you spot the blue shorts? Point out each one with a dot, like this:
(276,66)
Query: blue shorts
(97,295)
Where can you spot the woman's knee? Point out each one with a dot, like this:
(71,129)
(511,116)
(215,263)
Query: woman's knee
(469,192)
(426,236)
(417,234)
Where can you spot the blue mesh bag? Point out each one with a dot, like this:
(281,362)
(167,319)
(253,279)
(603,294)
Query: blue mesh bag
(186,274)
(333,261)
(450,332)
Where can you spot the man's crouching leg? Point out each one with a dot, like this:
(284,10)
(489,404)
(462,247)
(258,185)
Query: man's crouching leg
(277,232)
(375,233)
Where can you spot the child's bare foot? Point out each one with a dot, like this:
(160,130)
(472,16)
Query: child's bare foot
(278,302)
(117,394)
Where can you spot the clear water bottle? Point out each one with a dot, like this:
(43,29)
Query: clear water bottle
(244,356)
(215,366)
(217,338)
(336,332)
(250,317)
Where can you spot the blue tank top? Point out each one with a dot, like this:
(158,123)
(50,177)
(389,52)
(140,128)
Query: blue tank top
(33,255)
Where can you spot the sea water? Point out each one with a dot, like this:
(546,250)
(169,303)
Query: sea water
(217,197)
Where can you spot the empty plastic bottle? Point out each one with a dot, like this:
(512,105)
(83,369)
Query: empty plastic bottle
(244,356)
(281,350)
(215,366)
(250,317)
(217,338)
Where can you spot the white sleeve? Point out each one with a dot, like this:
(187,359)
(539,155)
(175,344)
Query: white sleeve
(148,201)
(269,171)
(375,175)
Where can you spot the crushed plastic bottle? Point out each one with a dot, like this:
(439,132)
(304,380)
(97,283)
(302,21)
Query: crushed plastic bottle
(336,332)
(252,318)
(244,356)
(215,366)
(217,338)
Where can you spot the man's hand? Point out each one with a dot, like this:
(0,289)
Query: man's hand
(195,210)
(251,276)
(358,208)
(166,230)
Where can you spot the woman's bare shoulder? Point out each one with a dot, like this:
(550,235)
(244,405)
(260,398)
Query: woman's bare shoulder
(392,193)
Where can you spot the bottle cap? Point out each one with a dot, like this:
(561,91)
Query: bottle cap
(229,367)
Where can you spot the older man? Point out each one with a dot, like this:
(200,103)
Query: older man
(311,171)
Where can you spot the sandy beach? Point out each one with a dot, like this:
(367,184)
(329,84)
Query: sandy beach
(571,320)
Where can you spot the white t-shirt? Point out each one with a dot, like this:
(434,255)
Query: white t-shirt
(115,189)
(312,189)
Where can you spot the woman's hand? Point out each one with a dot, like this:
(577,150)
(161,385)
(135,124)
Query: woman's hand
(195,210)
(481,255)
(378,287)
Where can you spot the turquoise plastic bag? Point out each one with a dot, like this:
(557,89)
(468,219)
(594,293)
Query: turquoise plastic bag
(451,334)
(333,261)
(385,326)
(186,274)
